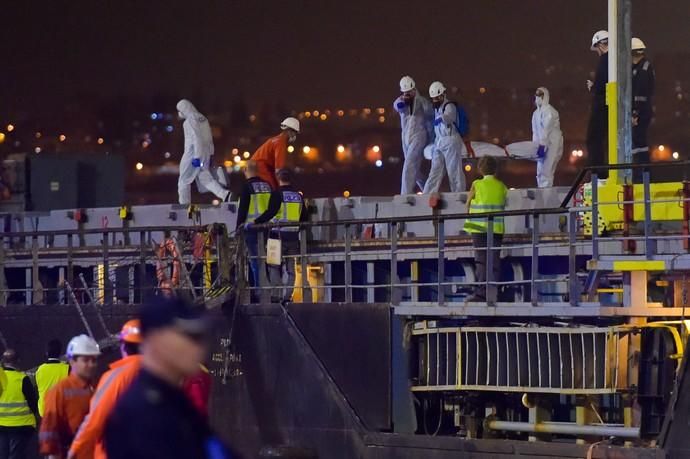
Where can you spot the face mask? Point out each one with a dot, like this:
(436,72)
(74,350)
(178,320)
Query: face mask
(538,101)
(292,137)
(437,104)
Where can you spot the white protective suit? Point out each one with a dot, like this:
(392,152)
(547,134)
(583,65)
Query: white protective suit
(198,143)
(416,122)
(448,150)
(546,130)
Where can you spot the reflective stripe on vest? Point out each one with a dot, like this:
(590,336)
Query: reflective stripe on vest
(290,210)
(489,196)
(258,201)
(14,410)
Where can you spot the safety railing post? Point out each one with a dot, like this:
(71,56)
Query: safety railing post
(348,264)
(534,295)
(573,281)
(262,281)
(489,256)
(142,267)
(649,244)
(393,229)
(595,216)
(69,275)
(441,267)
(303,265)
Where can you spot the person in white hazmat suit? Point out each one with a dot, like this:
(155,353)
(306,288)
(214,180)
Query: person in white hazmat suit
(196,160)
(416,118)
(546,131)
(448,146)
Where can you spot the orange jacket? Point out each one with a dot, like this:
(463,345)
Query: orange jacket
(66,405)
(270,157)
(88,441)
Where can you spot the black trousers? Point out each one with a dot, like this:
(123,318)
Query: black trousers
(597,139)
(640,145)
(14,442)
(479,243)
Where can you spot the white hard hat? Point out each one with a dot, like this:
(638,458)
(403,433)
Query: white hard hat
(637,45)
(599,37)
(290,123)
(436,89)
(406,83)
(82,345)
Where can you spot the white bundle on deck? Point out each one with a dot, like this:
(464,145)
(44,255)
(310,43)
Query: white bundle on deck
(517,150)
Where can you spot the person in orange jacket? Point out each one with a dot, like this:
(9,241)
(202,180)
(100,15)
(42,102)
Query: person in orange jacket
(67,403)
(89,439)
(272,155)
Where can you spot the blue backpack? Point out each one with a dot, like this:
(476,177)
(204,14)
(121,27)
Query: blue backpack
(462,123)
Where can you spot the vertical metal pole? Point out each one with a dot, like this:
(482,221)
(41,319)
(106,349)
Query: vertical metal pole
(35,282)
(262,282)
(303,265)
(535,259)
(107,292)
(394,262)
(348,265)
(624,83)
(573,281)
(70,264)
(595,216)
(649,244)
(441,271)
(489,290)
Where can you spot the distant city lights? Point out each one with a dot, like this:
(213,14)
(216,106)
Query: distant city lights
(376,149)
(62,137)
(169,128)
(10,127)
(675,155)
(235,151)
(577,153)
(246,155)
(291,149)
(346,193)
(662,148)
(379,163)
(167,155)
(37,149)
(341,149)
(2,137)
(306,149)
(139,166)
(100,141)
(237,158)
(468,167)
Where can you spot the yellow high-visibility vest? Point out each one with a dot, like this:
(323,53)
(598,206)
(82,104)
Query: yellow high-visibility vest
(14,409)
(489,196)
(47,375)
(290,209)
(258,201)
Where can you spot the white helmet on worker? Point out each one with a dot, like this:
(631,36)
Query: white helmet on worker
(637,45)
(82,345)
(600,36)
(290,123)
(436,89)
(407,84)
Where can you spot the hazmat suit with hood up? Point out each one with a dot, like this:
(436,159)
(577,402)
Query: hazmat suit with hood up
(448,150)
(546,131)
(416,121)
(196,159)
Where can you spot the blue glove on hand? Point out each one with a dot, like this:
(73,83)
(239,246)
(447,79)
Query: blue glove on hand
(438,121)
(541,152)
(248,225)
(400,105)
(196,162)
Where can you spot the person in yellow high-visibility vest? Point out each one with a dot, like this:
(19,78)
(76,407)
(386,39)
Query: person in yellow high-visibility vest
(253,202)
(18,409)
(50,372)
(487,194)
(286,205)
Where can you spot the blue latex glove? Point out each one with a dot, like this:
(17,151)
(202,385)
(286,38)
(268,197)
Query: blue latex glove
(541,152)
(400,105)
(438,121)
(248,225)
(196,162)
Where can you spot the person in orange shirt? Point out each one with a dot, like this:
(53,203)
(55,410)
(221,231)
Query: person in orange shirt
(88,442)
(67,403)
(272,155)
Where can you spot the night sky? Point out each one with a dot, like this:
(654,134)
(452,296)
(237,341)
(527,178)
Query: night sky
(303,53)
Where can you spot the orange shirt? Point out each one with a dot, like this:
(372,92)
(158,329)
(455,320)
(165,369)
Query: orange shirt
(114,382)
(66,405)
(270,157)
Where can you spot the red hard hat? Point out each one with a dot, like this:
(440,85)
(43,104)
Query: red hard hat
(131,332)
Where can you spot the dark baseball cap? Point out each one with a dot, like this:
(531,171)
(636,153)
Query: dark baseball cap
(173,313)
